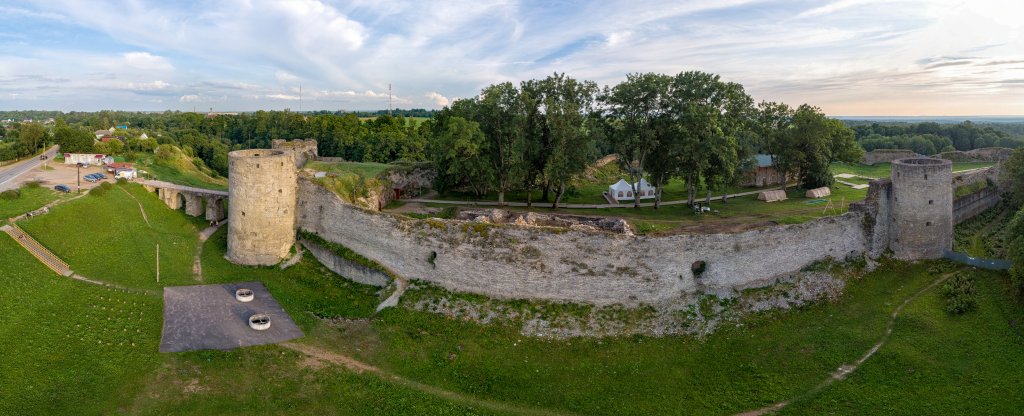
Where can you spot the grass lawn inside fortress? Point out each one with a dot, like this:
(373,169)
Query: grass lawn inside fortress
(208,317)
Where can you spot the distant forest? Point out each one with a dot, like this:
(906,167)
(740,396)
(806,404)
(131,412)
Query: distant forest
(929,138)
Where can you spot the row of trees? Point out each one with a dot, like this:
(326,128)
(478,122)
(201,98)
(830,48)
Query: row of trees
(692,126)
(22,139)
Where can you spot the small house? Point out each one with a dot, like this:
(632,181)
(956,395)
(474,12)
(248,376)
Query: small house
(764,173)
(95,159)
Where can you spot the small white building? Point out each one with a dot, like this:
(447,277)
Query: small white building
(623,191)
(126,173)
(96,159)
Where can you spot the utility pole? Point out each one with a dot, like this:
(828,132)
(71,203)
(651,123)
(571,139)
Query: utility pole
(158,262)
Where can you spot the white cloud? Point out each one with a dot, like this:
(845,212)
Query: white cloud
(243,52)
(148,86)
(438,99)
(146,61)
(286,97)
(285,77)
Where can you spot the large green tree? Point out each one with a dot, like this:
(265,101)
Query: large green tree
(713,118)
(73,140)
(567,105)
(635,108)
(1012,177)
(459,152)
(501,116)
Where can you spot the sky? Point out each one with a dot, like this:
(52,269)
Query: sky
(849,57)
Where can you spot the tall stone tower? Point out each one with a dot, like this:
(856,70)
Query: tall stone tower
(262,190)
(922,208)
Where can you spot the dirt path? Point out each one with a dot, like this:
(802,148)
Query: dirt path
(352,364)
(197,258)
(846,369)
(142,210)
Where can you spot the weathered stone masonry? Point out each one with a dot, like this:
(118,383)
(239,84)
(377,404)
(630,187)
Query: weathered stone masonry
(510,261)
(261,191)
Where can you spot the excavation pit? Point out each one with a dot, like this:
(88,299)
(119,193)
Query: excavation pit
(212,317)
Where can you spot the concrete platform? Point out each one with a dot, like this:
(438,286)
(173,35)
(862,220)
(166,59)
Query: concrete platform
(208,317)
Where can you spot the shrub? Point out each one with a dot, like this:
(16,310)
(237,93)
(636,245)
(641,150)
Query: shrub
(122,181)
(960,295)
(10,194)
(101,190)
(31,185)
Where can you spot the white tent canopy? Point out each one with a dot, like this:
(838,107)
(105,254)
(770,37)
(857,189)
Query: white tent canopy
(623,191)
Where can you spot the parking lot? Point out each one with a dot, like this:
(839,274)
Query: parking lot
(54,173)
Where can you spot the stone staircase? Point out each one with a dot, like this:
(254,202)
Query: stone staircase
(37,250)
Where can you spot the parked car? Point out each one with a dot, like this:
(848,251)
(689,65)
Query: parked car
(89,178)
(62,188)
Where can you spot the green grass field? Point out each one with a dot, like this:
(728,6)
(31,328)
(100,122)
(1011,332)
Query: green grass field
(183,176)
(884,170)
(92,233)
(32,198)
(68,345)
(366,169)
(735,212)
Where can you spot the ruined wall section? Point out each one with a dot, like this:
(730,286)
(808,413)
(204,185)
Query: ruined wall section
(969,206)
(922,208)
(302,150)
(877,219)
(984,154)
(262,194)
(509,261)
(887,155)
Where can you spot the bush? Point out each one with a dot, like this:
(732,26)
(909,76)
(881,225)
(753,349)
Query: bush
(122,181)
(10,194)
(102,189)
(960,295)
(31,185)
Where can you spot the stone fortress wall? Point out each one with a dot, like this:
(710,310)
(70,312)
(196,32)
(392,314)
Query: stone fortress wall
(603,268)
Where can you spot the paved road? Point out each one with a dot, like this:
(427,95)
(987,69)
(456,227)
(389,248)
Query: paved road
(8,174)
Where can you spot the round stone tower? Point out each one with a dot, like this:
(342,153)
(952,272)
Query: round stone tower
(922,208)
(261,206)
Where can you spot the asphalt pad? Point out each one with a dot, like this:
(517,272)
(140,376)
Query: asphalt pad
(208,317)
